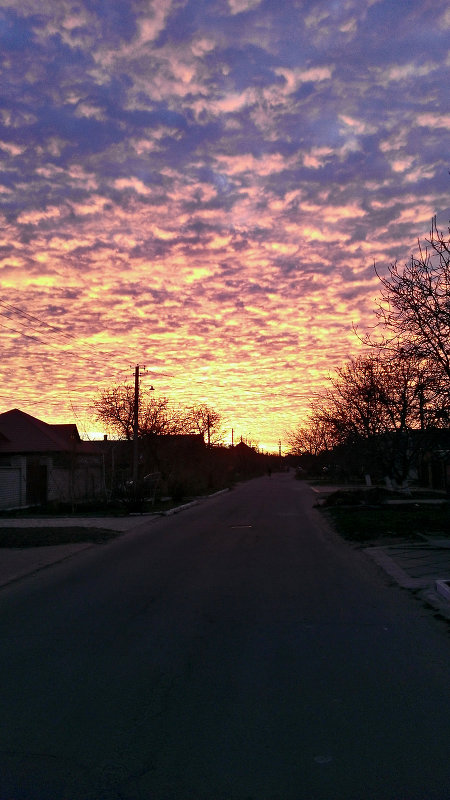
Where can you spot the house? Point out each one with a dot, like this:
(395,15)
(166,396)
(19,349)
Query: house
(42,463)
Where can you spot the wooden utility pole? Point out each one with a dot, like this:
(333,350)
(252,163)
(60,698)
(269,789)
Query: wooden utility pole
(136,428)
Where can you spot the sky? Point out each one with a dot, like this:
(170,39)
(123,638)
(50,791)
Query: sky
(203,187)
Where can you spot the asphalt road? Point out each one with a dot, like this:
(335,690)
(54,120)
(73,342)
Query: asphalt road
(237,651)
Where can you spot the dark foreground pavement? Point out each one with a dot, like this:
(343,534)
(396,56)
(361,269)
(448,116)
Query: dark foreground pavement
(239,651)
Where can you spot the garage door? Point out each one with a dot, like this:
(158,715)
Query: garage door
(9,487)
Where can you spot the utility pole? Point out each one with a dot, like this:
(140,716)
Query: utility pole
(136,428)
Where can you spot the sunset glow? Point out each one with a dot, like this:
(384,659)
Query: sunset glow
(202,187)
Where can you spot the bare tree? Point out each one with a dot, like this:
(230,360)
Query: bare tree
(205,420)
(378,402)
(415,301)
(157,416)
(313,438)
(371,408)
(386,391)
(115,409)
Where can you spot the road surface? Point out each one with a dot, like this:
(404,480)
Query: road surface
(237,651)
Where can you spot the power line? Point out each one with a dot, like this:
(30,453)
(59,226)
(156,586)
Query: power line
(53,330)
(92,359)
(29,327)
(31,317)
(21,333)
(43,341)
(92,355)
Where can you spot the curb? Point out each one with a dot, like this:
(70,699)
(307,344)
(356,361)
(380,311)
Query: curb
(33,569)
(426,591)
(38,562)
(384,561)
(437,601)
(177,509)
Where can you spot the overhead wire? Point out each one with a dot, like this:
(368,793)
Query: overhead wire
(31,317)
(38,338)
(21,333)
(92,356)
(53,329)
(42,329)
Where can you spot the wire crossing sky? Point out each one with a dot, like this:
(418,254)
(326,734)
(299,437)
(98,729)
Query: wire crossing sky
(203,186)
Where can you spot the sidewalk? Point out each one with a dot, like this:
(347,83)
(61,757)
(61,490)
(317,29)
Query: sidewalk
(422,568)
(18,562)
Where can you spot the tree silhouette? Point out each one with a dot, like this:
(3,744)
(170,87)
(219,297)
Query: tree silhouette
(414,308)
(114,407)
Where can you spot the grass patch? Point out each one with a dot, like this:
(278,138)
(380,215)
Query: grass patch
(406,522)
(44,537)
(377,495)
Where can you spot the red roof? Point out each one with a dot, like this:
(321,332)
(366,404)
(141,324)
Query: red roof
(22,433)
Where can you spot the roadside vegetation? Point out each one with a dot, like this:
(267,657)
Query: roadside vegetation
(387,410)
(375,516)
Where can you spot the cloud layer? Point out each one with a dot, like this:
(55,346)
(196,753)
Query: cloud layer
(202,186)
